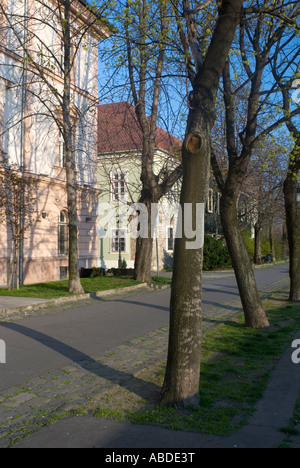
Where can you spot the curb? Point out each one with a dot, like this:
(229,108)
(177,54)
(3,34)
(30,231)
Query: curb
(79,297)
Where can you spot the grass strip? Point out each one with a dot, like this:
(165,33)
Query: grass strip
(55,289)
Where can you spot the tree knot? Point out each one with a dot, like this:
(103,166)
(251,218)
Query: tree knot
(193,143)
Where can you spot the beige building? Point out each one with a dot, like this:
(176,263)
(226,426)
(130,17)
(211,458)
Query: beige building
(31,140)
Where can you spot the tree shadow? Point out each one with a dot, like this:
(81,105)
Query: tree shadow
(228,286)
(166,309)
(218,291)
(143,304)
(115,376)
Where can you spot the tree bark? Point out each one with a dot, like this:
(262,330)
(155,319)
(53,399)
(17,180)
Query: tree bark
(18,265)
(74,278)
(293,232)
(255,316)
(144,248)
(11,265)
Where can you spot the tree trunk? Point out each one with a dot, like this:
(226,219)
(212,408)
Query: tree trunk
(255,316)
(74,278)
(257,243)
(11,266)
(181,385)
(18,265)
(144,243)
(293,232)
(143,260)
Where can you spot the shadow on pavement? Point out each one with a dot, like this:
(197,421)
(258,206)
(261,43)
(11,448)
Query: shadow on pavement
(115,376)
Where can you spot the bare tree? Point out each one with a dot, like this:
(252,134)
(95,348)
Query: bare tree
(285,74)
(264,181)
(181,385)
(144,37)
(258,39)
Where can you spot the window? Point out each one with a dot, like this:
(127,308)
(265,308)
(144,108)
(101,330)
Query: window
(210,201)
(8,126)
(61,151)
(170,239)
(218,204)
(62,234)
(118,186)
(118,240)
(63,272)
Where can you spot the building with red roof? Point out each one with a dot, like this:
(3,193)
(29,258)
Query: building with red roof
(120,143)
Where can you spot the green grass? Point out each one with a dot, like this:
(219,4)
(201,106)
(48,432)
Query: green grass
(161,280)
(56,289)
(235,368)
(293,428)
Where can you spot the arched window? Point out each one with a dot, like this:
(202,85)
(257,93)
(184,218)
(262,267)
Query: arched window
(62,234)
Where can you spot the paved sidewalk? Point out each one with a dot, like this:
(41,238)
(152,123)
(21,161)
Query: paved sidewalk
(8,303)
(26,409)
(263,431)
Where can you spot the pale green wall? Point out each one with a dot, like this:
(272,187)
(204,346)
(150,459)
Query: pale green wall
(130,164)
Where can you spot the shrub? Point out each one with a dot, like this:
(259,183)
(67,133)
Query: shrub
(96,272)
(216,254)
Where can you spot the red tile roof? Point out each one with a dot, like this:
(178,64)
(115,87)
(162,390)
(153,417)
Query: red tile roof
(119,130)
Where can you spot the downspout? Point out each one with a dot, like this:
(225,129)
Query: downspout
(22,145)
